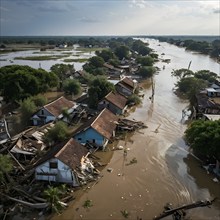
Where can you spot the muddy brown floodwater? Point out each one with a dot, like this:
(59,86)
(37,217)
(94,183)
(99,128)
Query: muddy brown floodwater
(165,171)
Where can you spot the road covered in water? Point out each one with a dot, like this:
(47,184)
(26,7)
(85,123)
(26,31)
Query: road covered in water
(165,171)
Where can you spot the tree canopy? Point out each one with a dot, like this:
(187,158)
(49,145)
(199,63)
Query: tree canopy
(191,83)
(28,107)
(56,134)
(181,73)
(20,82)
(122,52)
(204,137)
(63,70)
(95,66)
(106,55)
(145,61)
(72,87)
(98,89)
(147,71)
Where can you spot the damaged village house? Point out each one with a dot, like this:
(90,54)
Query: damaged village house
(37,164)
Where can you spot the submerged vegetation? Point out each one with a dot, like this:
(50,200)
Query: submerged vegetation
(40,58)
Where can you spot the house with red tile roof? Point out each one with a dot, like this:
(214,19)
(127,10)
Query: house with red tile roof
(54,111)
(114,102)
(126,86)
(98,130)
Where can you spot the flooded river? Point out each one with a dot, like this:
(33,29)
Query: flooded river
(165,171)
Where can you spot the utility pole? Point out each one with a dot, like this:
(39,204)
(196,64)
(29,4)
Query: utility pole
(153,90)
(189,64)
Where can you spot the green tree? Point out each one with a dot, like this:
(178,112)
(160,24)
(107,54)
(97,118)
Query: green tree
(141,47)
(56,134)
(145,61)
(20,82)
(5,166)
(206,75)
(204,138)
(95,66)
(53,195)
(190,86)
(96,61)
(39,100)
(134,99)
(122,52)
(98,89)
(63,71)
(154,56)
(147,71)
(72,87)
(106,55)
(28,107)
(181,73)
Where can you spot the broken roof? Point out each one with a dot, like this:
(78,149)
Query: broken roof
(56,106)
(212,117)
(116,99)
(205,102)
(104,123)
(31,140)
(70,153)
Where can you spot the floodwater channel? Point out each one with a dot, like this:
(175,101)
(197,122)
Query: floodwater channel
(165,171)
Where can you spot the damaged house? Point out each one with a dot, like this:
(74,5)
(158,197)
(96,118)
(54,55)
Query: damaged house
(114,102)
(208,101)
(54,111)
(126,86)
(98,130)
(30,142)
(112,71)
(63,163)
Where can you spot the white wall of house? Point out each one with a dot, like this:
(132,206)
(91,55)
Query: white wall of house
(55,170)
(44,115)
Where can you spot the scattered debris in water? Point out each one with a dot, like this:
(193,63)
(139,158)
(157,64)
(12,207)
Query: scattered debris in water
(179,212)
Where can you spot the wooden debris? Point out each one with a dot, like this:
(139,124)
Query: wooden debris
(31,205)
(177,212)
(130,125)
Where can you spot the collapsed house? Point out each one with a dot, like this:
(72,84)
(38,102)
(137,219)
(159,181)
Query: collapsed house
(29,143)
(207,104)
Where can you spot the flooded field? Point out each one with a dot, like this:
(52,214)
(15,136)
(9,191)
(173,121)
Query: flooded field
(165,171)
(70,53)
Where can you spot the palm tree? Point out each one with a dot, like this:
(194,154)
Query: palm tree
(52,195)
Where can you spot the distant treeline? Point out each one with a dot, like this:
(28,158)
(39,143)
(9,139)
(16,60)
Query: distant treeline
(201,44)
(57,40)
